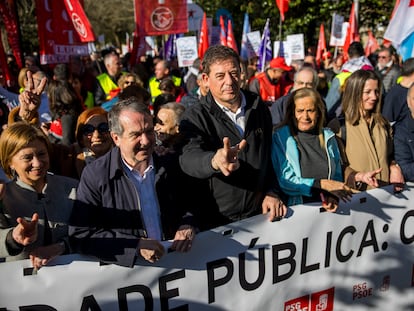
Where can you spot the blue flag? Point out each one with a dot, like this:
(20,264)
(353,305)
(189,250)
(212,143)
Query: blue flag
(407,47)
(170,47)
(281,52)
(244,49)
(265,48)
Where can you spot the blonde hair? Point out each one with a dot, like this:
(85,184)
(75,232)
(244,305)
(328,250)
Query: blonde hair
(123,78)
(16,137)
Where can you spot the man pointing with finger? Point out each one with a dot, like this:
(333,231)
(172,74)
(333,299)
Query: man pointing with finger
(228,147)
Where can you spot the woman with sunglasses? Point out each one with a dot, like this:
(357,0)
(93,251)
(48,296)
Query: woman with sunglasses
(92,141)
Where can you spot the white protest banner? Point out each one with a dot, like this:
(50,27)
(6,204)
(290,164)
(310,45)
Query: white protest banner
(338,31)
(296,46)
(186,51)
(286,51)
(360,258)
(254,39)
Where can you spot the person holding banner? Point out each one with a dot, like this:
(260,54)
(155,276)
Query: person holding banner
(367,134)
(403,139)
(228,139)
(126,203)
(36,205)
(306,157)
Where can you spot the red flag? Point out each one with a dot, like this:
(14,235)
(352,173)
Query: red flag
(139,48)
(8,14)
(3,62)
(58,39)
(351,33)
(372,44)
(80,21)
(283,6)
(231,41)
(162,17)
(203,43)
(353,24)
(223,36)
(321,45)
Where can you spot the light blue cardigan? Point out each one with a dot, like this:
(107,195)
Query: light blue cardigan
(285,159)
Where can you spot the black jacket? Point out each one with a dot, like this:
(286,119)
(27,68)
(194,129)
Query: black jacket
(220,199)
(404,146)
(106,218)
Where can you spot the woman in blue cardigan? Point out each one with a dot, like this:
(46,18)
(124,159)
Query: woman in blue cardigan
(305,155)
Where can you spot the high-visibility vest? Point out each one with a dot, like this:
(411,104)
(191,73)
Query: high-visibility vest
(107,84)
(154,86)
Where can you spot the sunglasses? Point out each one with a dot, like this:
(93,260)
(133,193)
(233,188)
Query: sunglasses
(129,82)
(89,129)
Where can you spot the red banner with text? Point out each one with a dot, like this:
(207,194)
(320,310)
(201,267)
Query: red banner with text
(58,37)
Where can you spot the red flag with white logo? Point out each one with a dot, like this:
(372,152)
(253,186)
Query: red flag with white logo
(58,39)
(80,21)
(161,17)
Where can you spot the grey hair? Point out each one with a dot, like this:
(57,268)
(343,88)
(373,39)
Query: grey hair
(177,108)
(314,74)
(132,104)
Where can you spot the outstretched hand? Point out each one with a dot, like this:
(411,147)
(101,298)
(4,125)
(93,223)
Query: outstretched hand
(226,159)
(25,232)
(368,177)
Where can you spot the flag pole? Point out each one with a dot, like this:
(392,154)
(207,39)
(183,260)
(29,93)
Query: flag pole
(280,27)
(280,37)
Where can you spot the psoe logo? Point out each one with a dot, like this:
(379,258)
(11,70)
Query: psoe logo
(162,18)
(318,301)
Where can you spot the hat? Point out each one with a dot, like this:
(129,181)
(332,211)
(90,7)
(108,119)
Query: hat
(279,63)
(326,55)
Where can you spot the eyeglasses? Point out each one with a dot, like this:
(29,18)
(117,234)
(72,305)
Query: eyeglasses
(89,129)
(307,84)
(381,56)
(129,83)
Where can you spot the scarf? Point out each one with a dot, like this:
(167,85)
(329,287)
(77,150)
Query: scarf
(368,148)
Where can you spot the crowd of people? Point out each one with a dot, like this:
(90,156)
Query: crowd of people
(124,162)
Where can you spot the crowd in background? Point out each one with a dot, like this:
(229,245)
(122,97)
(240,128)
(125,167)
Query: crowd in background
(98,154)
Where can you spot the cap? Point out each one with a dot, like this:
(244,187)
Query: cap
(279,63)
(326,55)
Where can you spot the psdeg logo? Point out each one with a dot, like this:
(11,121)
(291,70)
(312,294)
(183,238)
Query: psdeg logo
(162,18)
(79,26)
